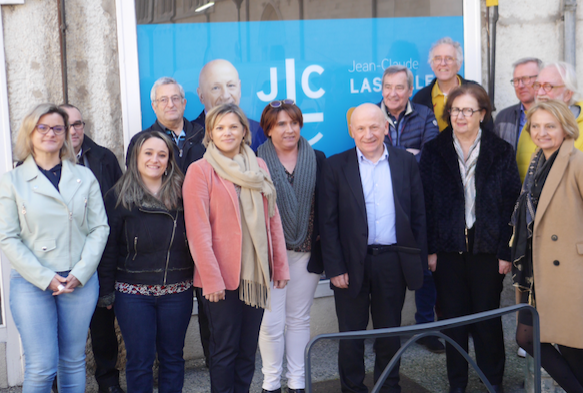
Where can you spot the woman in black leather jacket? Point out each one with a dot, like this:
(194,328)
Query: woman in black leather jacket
(146,270)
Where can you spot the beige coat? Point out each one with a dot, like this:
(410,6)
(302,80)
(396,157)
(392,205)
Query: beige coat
(558,250)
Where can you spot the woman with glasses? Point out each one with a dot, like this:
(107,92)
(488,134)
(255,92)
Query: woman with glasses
(547,252)
(147,270)
(53,229)
(471,183)
(237,242)
(294,167)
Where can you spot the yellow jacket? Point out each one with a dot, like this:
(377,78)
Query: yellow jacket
(526,146)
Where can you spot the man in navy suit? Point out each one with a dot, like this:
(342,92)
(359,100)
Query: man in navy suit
(219,83)
(372,227)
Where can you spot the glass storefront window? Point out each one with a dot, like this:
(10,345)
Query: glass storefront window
(327,55)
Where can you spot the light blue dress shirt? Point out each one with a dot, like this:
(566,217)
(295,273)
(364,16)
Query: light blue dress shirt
(377,187)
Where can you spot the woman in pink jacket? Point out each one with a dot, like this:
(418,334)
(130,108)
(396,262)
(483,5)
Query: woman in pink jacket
(237,242)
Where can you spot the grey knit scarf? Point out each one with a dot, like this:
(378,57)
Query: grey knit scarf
(294,202)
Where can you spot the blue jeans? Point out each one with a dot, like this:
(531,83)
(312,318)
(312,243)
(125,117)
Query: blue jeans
(151,324)
(53,330)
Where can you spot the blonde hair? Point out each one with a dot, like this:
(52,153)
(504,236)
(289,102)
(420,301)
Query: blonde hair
(561,112)
(130,188)
(24,148)
(216,114)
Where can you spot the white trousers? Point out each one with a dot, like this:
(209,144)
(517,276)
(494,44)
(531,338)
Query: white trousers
(287,325)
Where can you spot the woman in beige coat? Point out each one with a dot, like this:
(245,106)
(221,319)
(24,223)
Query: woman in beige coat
(547,249)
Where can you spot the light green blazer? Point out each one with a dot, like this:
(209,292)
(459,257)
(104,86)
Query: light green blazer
(43,231)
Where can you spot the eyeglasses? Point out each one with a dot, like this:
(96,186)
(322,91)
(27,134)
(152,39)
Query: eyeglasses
(165,100)
(447,59)
(78,125)
(279,103)
(546,86)
(466,112)
(44,129)
(526,80)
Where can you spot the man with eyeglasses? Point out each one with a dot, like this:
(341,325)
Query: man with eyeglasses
(168,102)
(557,81)
(510,121)
(219,83)
(105,166)
(445,57)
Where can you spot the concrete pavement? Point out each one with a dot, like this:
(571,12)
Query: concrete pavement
(421,371)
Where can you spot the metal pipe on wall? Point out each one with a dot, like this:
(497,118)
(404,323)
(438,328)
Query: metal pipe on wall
(63,45)
(570,26)
(492,21)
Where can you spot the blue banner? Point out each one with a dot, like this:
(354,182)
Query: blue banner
(326,66)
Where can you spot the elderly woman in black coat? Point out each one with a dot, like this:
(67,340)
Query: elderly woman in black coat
(471,183)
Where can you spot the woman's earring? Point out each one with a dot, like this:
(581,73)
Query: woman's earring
(166,172)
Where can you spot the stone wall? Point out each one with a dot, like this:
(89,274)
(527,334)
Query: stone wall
(530,28)
(33,62)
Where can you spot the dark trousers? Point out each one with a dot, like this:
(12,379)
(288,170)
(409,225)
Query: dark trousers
(104,344)
(469,283)
(203,325)
(150,325)
(383,293)
(234,328)
(425,298)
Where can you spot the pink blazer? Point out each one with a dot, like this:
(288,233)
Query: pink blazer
(213,229)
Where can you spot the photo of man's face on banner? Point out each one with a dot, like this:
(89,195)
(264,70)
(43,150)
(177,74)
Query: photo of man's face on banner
(327,66)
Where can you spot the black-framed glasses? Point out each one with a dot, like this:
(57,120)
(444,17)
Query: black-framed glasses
(279,103)
(78,125)
(526,80)
(165,100)
(467,112)
(44,129)
(546,86)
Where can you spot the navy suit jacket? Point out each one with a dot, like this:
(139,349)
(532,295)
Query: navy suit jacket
(343,220)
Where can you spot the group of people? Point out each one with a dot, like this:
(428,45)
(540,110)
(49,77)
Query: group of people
(247,216)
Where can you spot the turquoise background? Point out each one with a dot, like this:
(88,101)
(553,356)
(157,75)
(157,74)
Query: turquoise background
(181,50)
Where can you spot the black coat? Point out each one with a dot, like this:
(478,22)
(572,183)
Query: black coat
(343,220)
(192,151)
(497,188)
(102,162)
(145,246)
(316,265)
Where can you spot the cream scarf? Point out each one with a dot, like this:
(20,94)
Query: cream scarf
(255,183)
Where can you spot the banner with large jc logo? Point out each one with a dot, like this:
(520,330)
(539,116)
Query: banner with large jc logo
(326,66)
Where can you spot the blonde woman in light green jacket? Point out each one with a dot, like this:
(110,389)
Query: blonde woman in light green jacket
(53,229)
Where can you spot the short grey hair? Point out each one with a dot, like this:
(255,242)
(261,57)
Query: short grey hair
(569,77)
(526,60)
(447,41)
(165,80)
(395,69)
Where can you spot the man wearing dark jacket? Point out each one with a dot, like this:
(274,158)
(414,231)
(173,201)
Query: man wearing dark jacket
(168,103)
(510,121)
(445,57)
(104,165)
(410,127)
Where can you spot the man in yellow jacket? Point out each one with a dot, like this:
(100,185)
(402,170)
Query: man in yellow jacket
(557,81)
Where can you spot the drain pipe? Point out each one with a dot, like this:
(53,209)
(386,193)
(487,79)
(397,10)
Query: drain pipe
(570,17)
(492,21)
(63,43)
